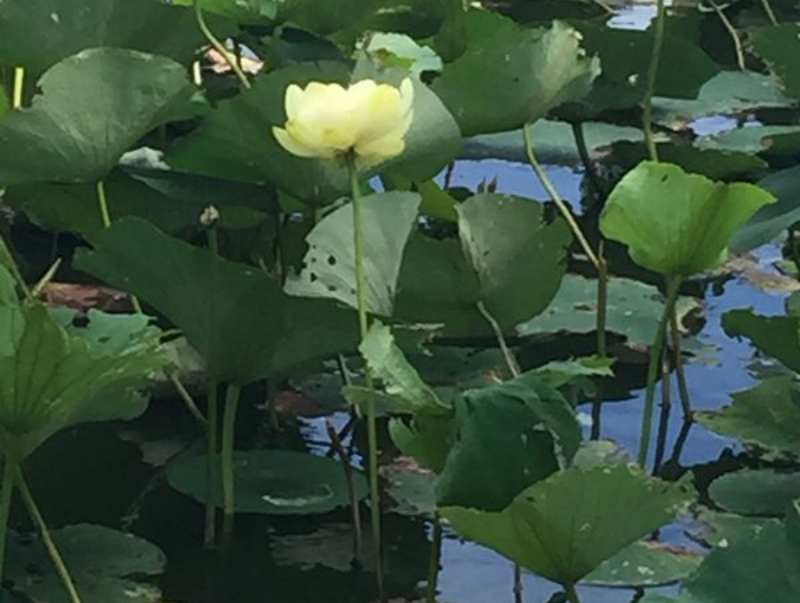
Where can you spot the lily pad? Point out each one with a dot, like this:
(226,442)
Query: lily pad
(38,35)
(674,223)
(563,528)
(523,426)
(759,492)
(94,106)
(329,266)
(442,282)
(754,139)
(245,328)
(250,12)
(634,309)
(779,46)
(274,482)
(766,416)
(644,564)
(398,50)
(776,336)
(108,566)
(523,74)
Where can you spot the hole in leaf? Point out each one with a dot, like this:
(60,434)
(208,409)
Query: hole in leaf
(331,260)
(312,277)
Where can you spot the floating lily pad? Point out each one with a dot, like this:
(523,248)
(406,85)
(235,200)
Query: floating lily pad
(766,416)
(634,309)
(674,223)
(564,527)
(760,492)
(245,328)
(94,106)
(754,139)
(779,46)
(108,566)
(274,482)
(776,336)
(718,529)
(329,266)
(645,563)
(523,75)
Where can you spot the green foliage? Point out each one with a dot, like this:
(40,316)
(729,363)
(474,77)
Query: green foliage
(674,223)
(645,563)
(759,492)
(776,336)
(779,45)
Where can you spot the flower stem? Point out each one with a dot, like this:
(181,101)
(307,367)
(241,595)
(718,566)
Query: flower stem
(6,495)
(47,539)
(556,198)
(508,355)
(363,322)
(729,27)
(102,202)
(212,412)
(770,13)
(588,166)
(602,347)
(652,74)
(433,564)
(19,86)
(228,434)
(673,287)
(218,46)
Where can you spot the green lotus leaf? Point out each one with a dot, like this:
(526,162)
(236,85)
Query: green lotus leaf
(674,223)
(523,74)
(234,315)
(779,46)
(564,527)
(251,12)
(273,482)
(645,563)
(94,106)
(776,336)
(757,492)
(329,265)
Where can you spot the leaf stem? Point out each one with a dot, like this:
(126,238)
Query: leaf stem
(556,198)
(102,202)
(652,75)
(232,396)
(218,46)
(737,43)
(363,322)
(770,13)
(508,354)
(572,593)
(212,413)
(433,562)
(680,372)
(673,288)
(19,87)
(6,496)
(588,165)
(602,345)
(47,539)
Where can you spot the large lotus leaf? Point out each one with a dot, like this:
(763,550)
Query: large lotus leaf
(772,220)
(36,35)
(94,106)
(776,336)
(235,140)
(172,201)
(645,563)
(427,438)
(759,492)
(675,223)
(779,46)
(522,426)
(504,81)
(727,575)
(234,315)
(276,482)
(242,11)
(773,140)
(766,416)
(500,236)
(400,379)
(108,566)
(51,379)
(634,309)
(329,266)
(565,526)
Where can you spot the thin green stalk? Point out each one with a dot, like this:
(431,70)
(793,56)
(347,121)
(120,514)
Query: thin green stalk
(556,198)
(680,372)
(508,355)
(11,264)
(218,46)
(572,593)
(737,43)
(212,413)
(47,539)
(372,423)
(673,287)
(602,345)
(6,495)
(588,165)
(102,202)
(19,86)
(232,396)
(652,75)
(433,564)
(770,13)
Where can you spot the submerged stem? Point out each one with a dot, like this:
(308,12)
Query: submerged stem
(218,46)
(433,562)
(673,287)
(232,396)
(372,423)
(652,75)
(6,495)
(556,198)
(680,372)
(47,539)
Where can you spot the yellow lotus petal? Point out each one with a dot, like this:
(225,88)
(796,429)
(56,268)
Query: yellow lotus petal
(312,138)
(290,144)
(293,101)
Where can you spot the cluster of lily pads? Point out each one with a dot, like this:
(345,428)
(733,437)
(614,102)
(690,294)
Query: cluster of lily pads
(293,208)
